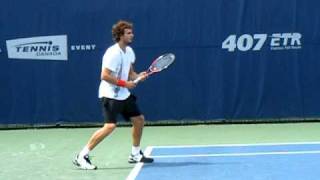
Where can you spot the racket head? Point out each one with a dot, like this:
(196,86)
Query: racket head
(162,62)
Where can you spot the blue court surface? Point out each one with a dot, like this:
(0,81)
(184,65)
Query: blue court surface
(285,161)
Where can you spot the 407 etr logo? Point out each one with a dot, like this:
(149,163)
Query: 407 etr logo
(255,42)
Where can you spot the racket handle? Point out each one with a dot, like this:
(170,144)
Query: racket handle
(138,79)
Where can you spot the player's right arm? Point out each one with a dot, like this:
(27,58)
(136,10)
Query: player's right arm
(106,75)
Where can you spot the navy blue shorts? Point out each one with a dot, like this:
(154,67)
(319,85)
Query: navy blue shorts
(127,108)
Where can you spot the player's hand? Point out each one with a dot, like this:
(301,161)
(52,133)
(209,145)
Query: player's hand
(144,75)
(130,84)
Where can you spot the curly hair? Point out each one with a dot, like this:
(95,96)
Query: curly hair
(118,29)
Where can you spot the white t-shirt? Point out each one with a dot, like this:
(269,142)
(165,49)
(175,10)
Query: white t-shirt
(119,62)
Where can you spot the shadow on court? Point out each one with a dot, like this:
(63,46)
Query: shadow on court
(108,168)
(184,164)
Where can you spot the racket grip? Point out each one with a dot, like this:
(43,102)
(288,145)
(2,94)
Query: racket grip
(138,79)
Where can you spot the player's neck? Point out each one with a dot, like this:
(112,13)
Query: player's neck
(122,45)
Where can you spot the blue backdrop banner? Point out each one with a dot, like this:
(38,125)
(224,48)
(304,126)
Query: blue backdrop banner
(236,59)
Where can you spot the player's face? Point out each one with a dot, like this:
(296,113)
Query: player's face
(127,37)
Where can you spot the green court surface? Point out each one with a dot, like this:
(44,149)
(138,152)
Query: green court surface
(45,154)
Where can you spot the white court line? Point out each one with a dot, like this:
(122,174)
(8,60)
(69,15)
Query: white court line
(239,154)
(236,145)
(135,171)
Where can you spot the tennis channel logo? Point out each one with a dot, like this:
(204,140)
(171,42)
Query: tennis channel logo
(255,42)
(40,48)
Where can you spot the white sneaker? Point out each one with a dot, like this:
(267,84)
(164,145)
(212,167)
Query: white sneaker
(84,163)
(139,158)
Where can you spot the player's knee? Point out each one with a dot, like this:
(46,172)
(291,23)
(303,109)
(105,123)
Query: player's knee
(142,118)
(109,126)
(139,120)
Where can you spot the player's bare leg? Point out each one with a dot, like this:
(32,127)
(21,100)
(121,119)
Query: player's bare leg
(100,134)
(82,159)
(137,129)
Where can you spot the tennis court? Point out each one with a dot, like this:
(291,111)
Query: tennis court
(232,161)
(47,153)
(227,90)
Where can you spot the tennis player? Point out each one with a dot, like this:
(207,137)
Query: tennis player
(117,77)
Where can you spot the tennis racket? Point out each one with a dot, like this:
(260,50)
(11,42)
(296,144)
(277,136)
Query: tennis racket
(159,64)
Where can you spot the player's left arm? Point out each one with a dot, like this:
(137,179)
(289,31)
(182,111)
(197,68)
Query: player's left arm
(132,73)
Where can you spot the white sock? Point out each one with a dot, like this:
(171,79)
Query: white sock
(85,151)
(135,150)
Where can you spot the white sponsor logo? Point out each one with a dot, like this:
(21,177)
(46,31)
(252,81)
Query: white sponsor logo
(42,48)
(83,47)
(277,41)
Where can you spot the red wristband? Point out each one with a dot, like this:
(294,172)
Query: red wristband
(121,83)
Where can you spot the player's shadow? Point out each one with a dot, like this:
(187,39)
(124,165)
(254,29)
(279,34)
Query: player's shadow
(110,168)
(183,164)
(115,168)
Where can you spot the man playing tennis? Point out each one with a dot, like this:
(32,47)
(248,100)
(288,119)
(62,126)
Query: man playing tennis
(117,77)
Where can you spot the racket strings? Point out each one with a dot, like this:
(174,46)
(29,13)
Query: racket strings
(162,63)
